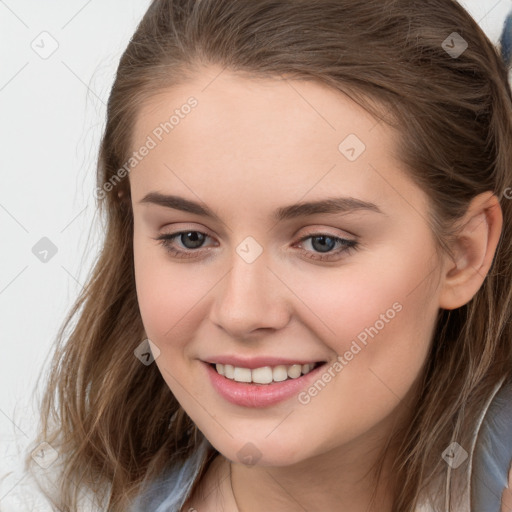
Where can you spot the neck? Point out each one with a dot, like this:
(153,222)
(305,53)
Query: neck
(342,479)
(345,477)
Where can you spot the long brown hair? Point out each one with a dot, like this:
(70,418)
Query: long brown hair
(107,414)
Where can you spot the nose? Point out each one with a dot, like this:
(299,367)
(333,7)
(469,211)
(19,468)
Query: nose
(250,299)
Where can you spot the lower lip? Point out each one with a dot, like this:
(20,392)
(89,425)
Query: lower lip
(258,395)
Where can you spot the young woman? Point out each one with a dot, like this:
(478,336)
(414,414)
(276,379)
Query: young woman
(303,301)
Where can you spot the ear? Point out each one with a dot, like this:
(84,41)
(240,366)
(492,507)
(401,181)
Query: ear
(478,233)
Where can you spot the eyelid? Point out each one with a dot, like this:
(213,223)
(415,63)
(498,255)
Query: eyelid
(347,245)
(312,231)
(179,227)
(318,231)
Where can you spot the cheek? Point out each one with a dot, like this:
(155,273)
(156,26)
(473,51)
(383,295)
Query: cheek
(169,295)
(378,316)
(387,294)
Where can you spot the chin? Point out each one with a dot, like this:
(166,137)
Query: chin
(258,451)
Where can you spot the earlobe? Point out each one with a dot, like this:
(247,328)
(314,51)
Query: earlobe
(474,250)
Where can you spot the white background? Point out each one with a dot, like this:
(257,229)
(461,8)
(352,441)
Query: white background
(52,114)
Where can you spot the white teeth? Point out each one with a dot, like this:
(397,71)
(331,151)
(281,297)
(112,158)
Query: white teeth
(294,371)
(229,371)
(279,373)
(262,375)
(242,374)
(265,374)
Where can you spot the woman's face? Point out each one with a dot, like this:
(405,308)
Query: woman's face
(262,281)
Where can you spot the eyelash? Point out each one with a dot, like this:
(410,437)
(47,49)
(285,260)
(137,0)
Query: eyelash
(348,245)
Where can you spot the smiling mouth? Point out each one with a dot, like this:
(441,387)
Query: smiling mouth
(265,374)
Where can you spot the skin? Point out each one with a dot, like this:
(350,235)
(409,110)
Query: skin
(249,147)
(506,499)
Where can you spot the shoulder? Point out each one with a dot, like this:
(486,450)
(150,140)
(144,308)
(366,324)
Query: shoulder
(492,455)
(484,479)
(161,492)
(170,490)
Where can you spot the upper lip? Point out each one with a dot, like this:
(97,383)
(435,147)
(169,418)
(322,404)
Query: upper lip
(259,362)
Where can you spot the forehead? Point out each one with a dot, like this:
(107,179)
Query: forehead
(255,137)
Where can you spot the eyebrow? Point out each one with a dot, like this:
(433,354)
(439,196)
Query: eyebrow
(339,205)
